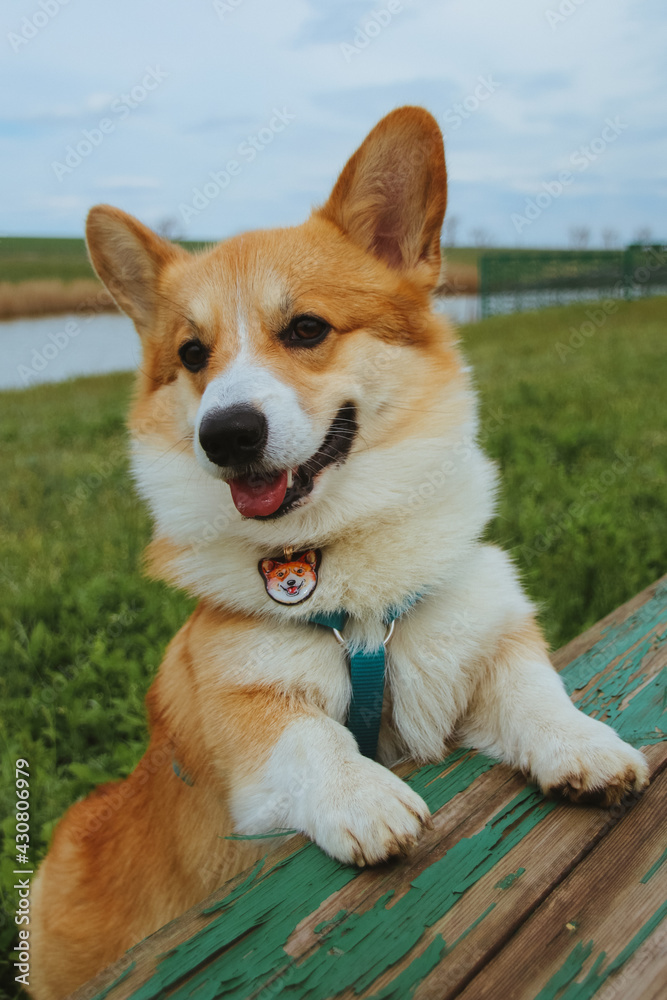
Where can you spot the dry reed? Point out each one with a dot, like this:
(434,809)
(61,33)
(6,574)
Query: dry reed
(46,297)
(50,297)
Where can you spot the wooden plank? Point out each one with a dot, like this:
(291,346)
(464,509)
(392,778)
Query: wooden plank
(582,937)
(498,903)
(643,976)
(264,931)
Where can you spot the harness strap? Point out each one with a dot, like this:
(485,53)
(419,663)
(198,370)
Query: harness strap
(367,673)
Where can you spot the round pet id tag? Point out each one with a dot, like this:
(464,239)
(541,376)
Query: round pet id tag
(292,580)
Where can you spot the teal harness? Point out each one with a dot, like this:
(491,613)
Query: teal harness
(367,673)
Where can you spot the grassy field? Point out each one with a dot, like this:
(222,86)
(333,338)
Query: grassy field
(577,424)
(49,276)
(43,276)
(29,258)
(24,258)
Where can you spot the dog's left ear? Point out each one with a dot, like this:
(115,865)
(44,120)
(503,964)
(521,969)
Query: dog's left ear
(130,259)
(391,196)
(266,565)
(310,557)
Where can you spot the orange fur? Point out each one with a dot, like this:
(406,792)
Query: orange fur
(153,828)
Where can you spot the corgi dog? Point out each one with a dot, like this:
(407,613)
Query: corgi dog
(299,394)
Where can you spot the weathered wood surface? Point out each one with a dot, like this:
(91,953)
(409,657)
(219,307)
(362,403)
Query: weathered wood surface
(509,895)
(618,892)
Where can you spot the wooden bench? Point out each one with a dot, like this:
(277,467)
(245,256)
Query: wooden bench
(509,896)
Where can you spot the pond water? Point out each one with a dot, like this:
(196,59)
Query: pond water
(53,348)
(522,300)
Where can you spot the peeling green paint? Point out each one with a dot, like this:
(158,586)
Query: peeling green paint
(119,979)
(240,889)
(654,868)
(253,931)
(403,987)
(644,631)
(510,879)
(570,968)
(276,832)
(406,983)
(253,926)
(474,924)
(594,979)
(437,788)
(326,925)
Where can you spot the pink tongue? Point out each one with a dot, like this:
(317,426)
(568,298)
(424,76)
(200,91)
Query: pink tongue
(255,496)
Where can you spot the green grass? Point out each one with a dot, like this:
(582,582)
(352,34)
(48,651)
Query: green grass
(24,258)
(32,257)
(580,435)
(27,258)
(83,632)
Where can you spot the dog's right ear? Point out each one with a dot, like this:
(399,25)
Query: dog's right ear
(391,196)
(128,258)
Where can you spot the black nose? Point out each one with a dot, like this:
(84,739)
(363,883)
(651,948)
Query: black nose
(235,436)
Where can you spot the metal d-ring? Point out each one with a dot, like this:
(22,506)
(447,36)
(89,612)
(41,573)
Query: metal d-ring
(339,637)
(390,632)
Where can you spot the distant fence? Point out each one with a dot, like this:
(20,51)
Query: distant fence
(513,281)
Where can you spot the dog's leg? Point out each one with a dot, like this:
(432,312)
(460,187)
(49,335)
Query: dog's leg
(312,778)
(521,713)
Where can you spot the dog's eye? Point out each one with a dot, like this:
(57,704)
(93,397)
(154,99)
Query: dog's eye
(306,331)
(300,572)
(194,355)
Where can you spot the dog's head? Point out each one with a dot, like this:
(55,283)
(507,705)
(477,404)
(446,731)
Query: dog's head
(281,362)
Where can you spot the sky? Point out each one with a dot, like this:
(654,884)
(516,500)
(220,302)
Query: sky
(208,117)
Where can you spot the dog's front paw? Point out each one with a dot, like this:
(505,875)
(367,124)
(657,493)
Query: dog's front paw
(368,815)
(594,766)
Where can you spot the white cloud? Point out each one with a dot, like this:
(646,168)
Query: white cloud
(99,101)
(226,73)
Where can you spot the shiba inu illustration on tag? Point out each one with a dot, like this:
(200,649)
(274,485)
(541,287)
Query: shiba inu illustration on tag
(293,580)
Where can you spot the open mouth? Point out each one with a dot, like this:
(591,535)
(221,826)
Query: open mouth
(264,496)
